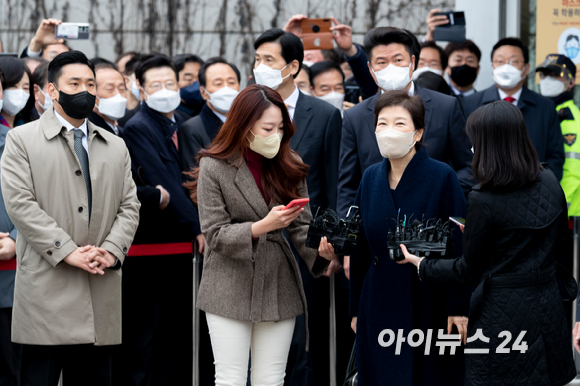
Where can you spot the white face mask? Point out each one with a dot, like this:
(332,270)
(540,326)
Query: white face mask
(307,63)
(334,98)
(48,103)
(395,144)
(305,92)
(266,146)
(114,107)
(269,77)
(421,70)
(1,104)
(550,87)
(222,99)
(393,77)
(164,100)
(14,101)
(135,89)
(507,76)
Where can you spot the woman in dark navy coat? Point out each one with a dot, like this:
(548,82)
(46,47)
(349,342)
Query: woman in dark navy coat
(516,230)
(384,294)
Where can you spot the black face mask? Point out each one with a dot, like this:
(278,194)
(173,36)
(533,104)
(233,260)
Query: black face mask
(463,75)
(77,106)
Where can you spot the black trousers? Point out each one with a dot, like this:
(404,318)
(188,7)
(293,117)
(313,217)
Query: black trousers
(10,353)
(310,368)
(157,322)
(81,365)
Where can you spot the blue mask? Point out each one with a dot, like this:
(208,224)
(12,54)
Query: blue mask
(571,52)
(191,95)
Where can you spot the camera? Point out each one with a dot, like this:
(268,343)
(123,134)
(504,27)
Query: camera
(341,233)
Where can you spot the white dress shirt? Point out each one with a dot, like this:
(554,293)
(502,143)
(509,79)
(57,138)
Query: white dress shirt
(69,127)
(115,128)
(516,95)
(220,116)
(457,92)
(291,102)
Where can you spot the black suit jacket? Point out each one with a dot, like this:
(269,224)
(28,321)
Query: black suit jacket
(197,133)
(541,121)
(444,139)
(156,161)
(317,140)
(149,196)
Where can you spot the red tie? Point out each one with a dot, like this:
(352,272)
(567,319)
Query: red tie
(509,99)
(174,138)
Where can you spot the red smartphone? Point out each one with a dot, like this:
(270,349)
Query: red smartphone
(301,203)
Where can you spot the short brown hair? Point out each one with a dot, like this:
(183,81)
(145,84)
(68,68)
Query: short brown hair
(413,104)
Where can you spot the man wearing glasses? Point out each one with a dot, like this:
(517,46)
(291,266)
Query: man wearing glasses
(157,281)
(510,69)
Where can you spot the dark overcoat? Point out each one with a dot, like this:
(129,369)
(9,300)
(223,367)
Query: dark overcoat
(511,242)
(387,295)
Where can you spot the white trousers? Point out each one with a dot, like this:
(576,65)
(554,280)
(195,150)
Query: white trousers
(232,340)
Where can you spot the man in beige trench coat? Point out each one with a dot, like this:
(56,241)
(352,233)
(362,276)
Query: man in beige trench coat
(68,189)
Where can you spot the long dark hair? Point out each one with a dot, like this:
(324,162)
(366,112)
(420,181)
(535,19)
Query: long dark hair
(503,155)
(281,174)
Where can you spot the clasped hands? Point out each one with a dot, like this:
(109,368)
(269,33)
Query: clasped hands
(91,259)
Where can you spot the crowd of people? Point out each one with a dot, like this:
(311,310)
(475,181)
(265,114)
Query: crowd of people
(113,174)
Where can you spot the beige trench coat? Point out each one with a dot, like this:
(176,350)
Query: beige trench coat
(257,281)
(46,198)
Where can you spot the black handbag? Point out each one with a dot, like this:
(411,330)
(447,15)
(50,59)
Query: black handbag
(351,370)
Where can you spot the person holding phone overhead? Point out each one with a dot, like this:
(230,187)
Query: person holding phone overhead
(251,288)
(516,234)
(409,185)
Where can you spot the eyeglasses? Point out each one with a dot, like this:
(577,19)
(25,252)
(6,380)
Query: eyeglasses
(513,62)
(156,86)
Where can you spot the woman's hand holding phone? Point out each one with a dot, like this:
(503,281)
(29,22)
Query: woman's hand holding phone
(278,218)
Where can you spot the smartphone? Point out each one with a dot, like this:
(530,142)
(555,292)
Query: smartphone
(316,34)
(454,31)
(458,220)
(455,18)
(72,31)
(300,202)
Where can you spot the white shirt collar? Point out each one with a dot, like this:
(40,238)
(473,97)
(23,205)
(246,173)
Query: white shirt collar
(516,95)
(293,98)
(457,92)
(68,126)
(220,116)
(114,127)
(412,89)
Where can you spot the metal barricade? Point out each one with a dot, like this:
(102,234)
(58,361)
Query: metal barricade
(332,332)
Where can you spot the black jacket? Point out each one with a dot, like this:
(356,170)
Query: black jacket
(317,140)
(541,121)
(511,243)
(197,133)
(149,196)
(155,161)
(444,138)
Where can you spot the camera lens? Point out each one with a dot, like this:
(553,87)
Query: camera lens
(315,28)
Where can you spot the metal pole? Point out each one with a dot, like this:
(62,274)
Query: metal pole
(332,332)
(196,277)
